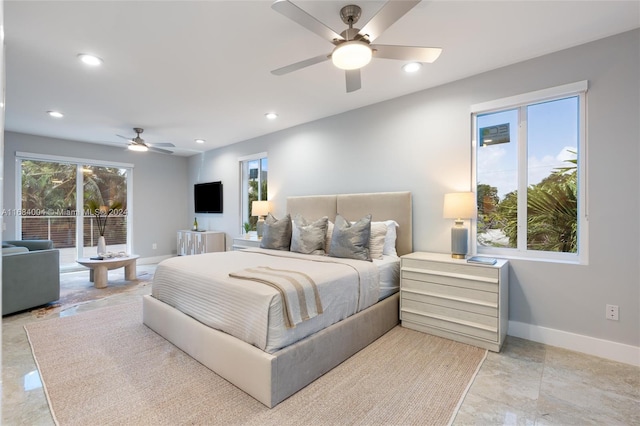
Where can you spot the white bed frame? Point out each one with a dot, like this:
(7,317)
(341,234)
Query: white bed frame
(271,378)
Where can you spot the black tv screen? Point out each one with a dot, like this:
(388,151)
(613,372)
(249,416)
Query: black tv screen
(208,197)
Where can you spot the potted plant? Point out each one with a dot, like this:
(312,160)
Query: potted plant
(247,228)
(101,214)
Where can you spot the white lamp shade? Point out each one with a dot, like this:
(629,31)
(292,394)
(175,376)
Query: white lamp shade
(459,205)
(260,208)
(351,55)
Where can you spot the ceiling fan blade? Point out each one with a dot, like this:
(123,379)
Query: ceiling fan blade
(406,53)
(353,80)
(163,151)
(300,65)
(166,144)
(390,13)
(125,138)
(293,12)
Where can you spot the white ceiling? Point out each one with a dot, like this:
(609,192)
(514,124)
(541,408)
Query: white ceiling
(184,70)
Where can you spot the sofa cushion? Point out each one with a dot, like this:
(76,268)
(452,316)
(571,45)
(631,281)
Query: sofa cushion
(31,244)
(14,250)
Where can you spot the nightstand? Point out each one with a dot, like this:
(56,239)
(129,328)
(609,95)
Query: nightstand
(241,242)
(454,299)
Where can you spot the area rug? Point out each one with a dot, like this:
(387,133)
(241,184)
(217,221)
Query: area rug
(106,367)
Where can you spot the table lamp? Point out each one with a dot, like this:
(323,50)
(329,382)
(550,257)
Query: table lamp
(459,206)
(260,209)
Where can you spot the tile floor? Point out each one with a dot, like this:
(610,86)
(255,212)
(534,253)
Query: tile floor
(527,383)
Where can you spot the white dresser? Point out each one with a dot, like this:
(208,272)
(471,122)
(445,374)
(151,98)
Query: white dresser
(455,299)
(197,242)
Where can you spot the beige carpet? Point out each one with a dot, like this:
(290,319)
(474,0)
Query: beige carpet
(106,367)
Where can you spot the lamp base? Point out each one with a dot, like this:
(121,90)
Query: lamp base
(260,226)
(459,236)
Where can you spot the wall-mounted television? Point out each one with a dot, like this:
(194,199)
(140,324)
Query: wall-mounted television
(208,197)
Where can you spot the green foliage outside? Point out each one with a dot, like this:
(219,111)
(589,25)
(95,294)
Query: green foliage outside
(253,196)
(552,212)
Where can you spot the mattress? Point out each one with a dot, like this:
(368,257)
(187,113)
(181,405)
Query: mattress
(200,287)
(389,268)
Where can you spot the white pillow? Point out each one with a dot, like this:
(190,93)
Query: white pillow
(329,234)
(377,239)
(390,238)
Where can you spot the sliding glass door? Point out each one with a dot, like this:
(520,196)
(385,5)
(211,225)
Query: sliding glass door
(105,187)
(58,198)
(48,207)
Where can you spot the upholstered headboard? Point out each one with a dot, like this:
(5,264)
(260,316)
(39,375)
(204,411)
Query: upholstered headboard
(381,205)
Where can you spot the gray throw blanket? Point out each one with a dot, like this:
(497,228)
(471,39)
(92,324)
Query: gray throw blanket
(300,297)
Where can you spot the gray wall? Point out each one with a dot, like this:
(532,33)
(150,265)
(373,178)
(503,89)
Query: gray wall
(159,187)
(421,143)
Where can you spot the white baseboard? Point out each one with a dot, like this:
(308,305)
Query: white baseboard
(152,260)
(576,342)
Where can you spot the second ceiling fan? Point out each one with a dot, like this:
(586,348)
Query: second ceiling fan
(138,144)
(353,49)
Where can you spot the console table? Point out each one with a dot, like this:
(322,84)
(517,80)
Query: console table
(198,242)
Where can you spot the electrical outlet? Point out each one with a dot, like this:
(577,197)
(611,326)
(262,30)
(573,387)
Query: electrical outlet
(154,246)
(612,312)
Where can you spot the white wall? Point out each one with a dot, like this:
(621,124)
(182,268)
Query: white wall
(421,143)
(159,187)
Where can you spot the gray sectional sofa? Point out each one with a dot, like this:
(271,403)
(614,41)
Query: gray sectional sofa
(30,274)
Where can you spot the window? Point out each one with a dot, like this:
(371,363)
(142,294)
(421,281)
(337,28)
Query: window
(254,173)
(529,174)
(53,194)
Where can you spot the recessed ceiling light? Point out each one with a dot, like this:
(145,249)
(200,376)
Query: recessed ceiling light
(200,141)
(56,114)
(90,59)
(412,67)
(271,115)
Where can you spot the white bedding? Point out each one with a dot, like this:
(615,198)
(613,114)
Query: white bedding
(389,267)
(200,286)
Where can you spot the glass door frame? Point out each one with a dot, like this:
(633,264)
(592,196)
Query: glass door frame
(79,163)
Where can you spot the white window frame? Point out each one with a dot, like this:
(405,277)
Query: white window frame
(578,89)
(245,210)
(79,163)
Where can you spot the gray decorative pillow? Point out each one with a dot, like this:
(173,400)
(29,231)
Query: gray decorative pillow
(351,240)
(308,237)
(276,234)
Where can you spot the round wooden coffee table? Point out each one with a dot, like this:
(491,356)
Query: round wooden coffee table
(98,268)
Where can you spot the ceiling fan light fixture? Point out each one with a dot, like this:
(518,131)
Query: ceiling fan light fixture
(351,55)
(138,147)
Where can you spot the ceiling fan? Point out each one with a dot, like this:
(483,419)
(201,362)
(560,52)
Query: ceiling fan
(353,49)
(138,144)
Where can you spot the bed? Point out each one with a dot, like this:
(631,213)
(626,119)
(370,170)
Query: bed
(269,368)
